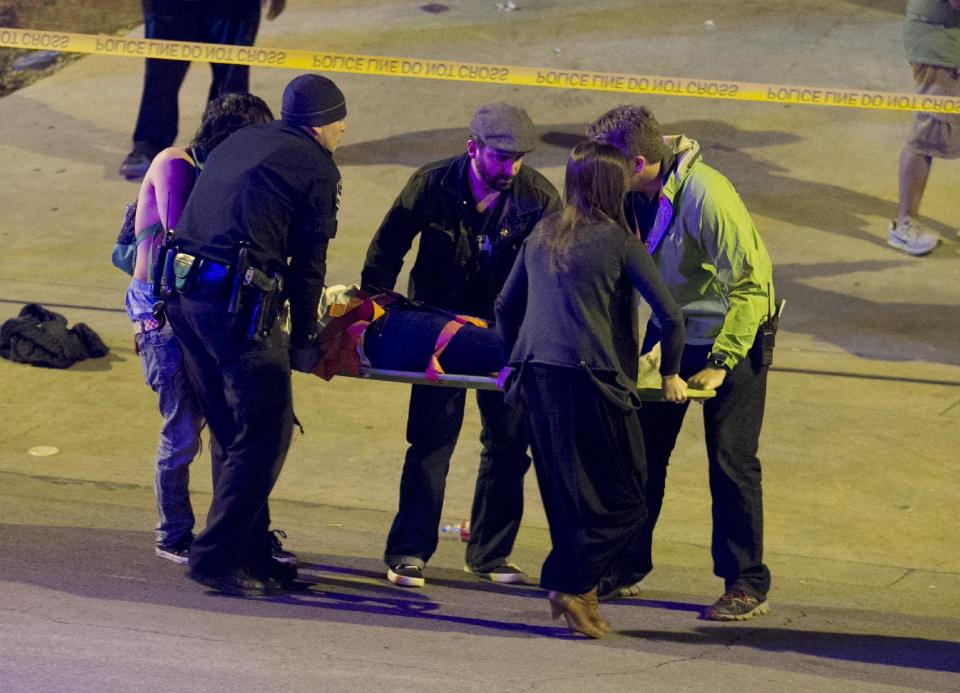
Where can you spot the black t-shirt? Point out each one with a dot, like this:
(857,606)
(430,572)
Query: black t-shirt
(484,230)
(641,212)
(274,187)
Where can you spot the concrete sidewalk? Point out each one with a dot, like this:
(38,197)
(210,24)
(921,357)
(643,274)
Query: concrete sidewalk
(860,444)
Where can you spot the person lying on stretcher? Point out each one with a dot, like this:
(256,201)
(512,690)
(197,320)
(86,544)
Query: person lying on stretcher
(386,331)
(388,337)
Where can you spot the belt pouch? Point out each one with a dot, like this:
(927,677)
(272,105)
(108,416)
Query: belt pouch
(185,268)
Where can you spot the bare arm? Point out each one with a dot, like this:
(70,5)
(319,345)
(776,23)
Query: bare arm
(165,188)
(163,194)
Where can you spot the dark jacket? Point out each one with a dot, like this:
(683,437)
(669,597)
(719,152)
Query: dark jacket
(433,204)
(274,187)
(40,337)
(586,314)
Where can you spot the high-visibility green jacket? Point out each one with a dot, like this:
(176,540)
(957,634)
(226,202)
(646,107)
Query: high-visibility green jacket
(711,256)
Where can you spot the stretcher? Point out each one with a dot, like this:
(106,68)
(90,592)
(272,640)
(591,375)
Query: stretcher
(386,336)
(479,382)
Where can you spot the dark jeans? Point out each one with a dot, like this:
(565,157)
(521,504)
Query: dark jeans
(588,453)
(433,426)
(206,22)
(244,390)
(731,423)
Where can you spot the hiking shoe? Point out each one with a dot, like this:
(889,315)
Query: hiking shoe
(907,235)
(178,552)
(277,550)
(136,164)
(737,605)
(406,575)
(506,573)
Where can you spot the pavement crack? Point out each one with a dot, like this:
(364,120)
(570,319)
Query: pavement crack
(954,405)
(677,660)
(68,481)
(906,573)
(105,626)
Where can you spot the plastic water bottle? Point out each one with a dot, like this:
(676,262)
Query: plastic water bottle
(458,531)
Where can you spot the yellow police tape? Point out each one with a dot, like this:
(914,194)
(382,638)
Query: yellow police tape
(475,72)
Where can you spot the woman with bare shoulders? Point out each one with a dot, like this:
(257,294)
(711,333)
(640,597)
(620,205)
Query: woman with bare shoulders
(163,194)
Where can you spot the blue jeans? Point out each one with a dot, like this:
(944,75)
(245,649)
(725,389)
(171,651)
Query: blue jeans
(164,371)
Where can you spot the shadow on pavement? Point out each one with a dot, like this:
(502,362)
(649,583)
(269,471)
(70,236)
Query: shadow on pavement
(893,331)
(908,653)
(766,190)
(119,565)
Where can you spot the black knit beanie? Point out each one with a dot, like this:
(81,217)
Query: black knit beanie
(312,100)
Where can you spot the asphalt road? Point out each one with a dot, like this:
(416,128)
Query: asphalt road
(860,444)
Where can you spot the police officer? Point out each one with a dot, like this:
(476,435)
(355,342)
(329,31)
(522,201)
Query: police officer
(269,192)
(472,213)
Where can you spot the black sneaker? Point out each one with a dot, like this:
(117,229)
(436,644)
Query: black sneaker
(136,164)
(239,583)
(737,605)
(178,552)
(277,550)
(506,573)
(406,575)
(284,573)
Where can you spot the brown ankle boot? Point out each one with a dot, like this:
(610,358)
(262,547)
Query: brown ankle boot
(576,610)
(593,602)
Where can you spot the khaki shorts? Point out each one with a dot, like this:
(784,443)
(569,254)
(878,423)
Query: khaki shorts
(936,134)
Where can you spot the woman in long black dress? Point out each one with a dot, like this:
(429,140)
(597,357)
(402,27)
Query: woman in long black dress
(568,314)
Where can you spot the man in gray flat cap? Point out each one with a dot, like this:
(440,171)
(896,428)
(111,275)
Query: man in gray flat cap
(472,212)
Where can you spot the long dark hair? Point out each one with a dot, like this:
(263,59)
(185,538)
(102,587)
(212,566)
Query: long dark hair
(226,114)
(593,191)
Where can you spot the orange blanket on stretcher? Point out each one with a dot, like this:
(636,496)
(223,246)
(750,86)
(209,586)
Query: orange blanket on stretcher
(403,336)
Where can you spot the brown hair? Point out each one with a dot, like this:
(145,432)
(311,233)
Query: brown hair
(631,129)
(224,115)
(594,188)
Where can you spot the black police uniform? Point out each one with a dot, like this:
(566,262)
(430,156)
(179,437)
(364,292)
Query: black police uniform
(273,191)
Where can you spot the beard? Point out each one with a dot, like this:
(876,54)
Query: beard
(499,182)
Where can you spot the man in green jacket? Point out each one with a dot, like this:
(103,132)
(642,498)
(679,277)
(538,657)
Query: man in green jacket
(708,251)
(931,37)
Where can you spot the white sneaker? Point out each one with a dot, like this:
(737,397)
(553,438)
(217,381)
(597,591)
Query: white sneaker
(909,236)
